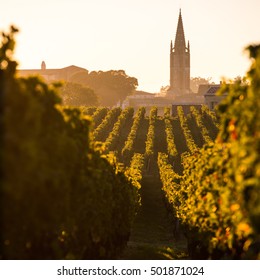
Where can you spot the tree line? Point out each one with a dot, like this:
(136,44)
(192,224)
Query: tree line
(104,88)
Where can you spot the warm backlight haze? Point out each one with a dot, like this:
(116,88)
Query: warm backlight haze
(134,35)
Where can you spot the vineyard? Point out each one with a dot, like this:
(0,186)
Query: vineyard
(100,183)
(126,132)
(144,134)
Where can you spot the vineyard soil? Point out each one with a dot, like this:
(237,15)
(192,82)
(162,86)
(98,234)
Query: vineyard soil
(152,235)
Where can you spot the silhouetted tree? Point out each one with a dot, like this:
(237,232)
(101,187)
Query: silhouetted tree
(77,95)
(111,86)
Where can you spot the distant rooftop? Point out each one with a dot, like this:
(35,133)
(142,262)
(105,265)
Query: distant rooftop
(140,92)
(213,89)
(52,74)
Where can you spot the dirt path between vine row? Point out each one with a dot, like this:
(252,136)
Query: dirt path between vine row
(152,235)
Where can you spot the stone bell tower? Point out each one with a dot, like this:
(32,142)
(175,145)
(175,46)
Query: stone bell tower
(179,63)
(43,65)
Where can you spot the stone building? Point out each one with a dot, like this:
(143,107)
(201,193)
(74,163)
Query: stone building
(211,97)
(51,75)
(178,92)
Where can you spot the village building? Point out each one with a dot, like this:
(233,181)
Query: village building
(178,91)
(52,75)
(211,97)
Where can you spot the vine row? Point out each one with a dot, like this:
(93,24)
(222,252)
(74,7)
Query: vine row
(127,150)
(198,118)
(171,147)
(115,134)
(102,130)
(206,111)
(186,131)
(149,143)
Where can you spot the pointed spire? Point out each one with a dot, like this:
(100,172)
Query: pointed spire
(43,65)
(171,47)
(180,38)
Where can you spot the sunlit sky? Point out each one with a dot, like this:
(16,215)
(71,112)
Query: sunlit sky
(133,35)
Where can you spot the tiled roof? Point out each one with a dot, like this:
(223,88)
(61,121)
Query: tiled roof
(212,90)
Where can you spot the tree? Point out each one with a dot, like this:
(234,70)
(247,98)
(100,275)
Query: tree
(111,86)
(77,95)
(197,81)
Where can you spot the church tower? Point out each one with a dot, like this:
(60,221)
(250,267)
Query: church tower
(179,63)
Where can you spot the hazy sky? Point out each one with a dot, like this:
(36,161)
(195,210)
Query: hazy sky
(134,35)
